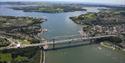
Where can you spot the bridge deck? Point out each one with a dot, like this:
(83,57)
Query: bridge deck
(64,42)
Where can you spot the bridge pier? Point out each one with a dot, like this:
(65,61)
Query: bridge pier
(53,43)
(92,41)
(42,55)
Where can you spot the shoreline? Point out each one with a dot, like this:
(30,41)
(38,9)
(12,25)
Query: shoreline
(19,31)
(112,47)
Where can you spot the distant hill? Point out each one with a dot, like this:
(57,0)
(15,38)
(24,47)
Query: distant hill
(78,4)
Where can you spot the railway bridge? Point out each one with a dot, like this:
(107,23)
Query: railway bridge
(64,42)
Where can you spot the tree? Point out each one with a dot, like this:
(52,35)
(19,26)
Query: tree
(115,40)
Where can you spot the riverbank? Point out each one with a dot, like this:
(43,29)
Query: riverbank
(20,27)
(17,32)
(50,9)
(112,46)
(101,18)
(19,55)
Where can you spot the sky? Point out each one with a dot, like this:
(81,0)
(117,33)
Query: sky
(110,2)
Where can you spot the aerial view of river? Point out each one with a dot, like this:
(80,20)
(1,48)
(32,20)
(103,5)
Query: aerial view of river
(59,24)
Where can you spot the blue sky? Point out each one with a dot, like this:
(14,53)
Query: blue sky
(110,2)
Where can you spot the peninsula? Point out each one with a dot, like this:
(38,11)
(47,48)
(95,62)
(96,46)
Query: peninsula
(50,8)
(16,32)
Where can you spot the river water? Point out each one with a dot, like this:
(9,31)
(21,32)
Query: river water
(59,24)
